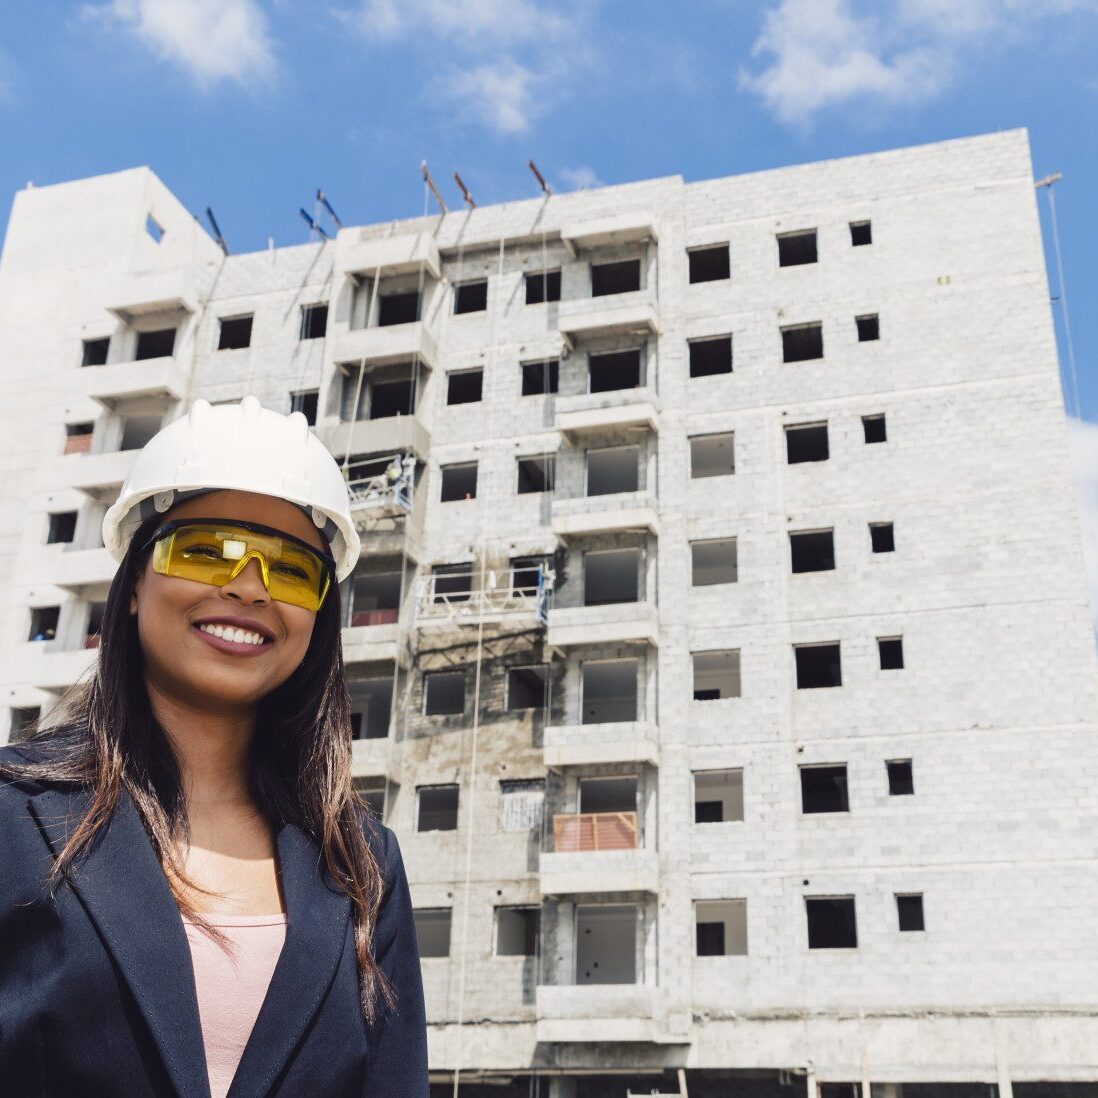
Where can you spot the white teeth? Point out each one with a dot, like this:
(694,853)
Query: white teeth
(227,632)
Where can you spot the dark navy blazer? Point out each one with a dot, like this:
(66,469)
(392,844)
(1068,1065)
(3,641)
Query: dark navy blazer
(97,992)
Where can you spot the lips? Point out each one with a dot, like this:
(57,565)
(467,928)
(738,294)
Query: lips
(238,636)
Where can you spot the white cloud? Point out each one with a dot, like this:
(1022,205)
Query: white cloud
(472,21)
(499,94)
(826,52)
(1083,437)
(580,179)
(211,40)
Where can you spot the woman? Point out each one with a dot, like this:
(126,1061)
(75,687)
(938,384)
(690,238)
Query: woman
(193,899)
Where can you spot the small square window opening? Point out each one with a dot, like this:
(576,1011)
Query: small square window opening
(806,442)
(235,333)
(891,651)
(540,378)
(869,327)
(874,428)
(542,286)
(901,778)
(831,922)
(823,789)
(95,352)
(314,321)
(437,808)
(709,264)
(459,482)
(712,455)
(861,233)
(882,537)
(812,550)
(471,297)
(710,356)
(305,402)
(464,386)
(62,528)
(818,666)
(802,342)
(909,908)
(536,474)
(443,693)
(797,248)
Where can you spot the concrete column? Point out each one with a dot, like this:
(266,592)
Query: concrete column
(560,1087)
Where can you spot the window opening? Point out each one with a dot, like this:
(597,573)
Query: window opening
(709,264)
(802,342)
(471,297)
(609,691)
(371,705)
(95,352)
(891,652)
(536,474)
(402,308)
(874,428)
(869,328)
(721,928)
(709,357)
(613,371)
(539,378)
(158,344)
(314,321)
(806,442)
(909,908)
(43,623)
(432,931)
(901,778)
(235,334)
(713,562)
(62,528)
(612,470)
(611,576)
(464,386)
(824,789)
(526,687)
(712,455)
(620,277)
(882,537)
(437,808)
(718,796)
(831,922)
(517,931)
(797,248)
(306,402)
(812,550)
(443,693)
(818,665)
(861,233)
(459,482)
(716,675)
(542,286)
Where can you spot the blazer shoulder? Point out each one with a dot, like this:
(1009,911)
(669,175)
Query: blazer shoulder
(12,758)
(384,846)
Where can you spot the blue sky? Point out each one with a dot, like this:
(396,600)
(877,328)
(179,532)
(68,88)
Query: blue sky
(249,105)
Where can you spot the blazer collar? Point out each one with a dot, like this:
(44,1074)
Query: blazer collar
(124,890)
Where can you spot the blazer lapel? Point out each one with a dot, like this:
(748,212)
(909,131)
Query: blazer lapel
(317,915)
(125,892)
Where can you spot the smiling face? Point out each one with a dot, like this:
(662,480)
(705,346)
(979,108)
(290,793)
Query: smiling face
(188,630)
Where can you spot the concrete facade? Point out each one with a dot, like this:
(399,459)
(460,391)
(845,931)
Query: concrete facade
(996,705)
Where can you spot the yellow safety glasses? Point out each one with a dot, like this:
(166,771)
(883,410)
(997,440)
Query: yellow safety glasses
(216,551)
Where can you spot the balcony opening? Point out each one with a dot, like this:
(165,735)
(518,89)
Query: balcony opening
(371,705)
(874,428)
(527,687)
(718,796)
(882,538)
(802,342)
(606,944)
(823,789)
(398,308)
(138,430)
(43,623)
(611,576)
(712,455)
(797,248)
(901,778)
(305,401)
(818,666)
(720,928)
(314,321)
(869,328)
(709,357)
(540,378)
(62,528)
(620,277)
(464,386)
(850,1090)
(536,474)
(609,691)
(812,550)
(806,442)
(525,573)
(433,931)
(542,286)
(159,344)
(909,908)
(471,297)
(709,264)
(716,675)
(831,922)
(372,791)
(78,437)
(437,808)
(891,653)
(861,233)
(374,599)
(607,373)
(517,930)
(607,795)
(95,352)
(713,562)
(459,482)
(96,613)
(444,693)
(235,333)
(22,719)
(392,398)
(612,470)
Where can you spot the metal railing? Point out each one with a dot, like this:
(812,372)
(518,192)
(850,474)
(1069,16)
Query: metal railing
(582,831)
(373,617)
(461,597)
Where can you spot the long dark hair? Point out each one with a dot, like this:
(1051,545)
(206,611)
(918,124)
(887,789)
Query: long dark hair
(106,739)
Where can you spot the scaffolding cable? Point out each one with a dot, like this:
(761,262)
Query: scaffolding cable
(1047,184)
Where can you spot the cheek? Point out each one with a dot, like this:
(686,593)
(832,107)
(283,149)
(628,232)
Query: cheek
(298,625)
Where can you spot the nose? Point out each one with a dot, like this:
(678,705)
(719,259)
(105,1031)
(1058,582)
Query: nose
(247,587)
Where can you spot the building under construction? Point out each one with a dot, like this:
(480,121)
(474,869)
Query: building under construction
(720,648)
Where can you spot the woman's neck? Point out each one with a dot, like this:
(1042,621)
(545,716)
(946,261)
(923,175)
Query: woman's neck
(212,749)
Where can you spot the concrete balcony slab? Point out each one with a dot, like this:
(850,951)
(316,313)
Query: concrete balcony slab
(607,232)
(371,758)
(80,568)
(144,293)
(592,744)
(585,515)
(618,623)
(575,872)
(616,314)
(583,413)
(56,670)
(391,435)
(389,255)
(384,346)
(126,381)
(99,474)
(596,1013)
(375,644)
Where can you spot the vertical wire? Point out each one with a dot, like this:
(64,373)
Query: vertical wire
(1062,286)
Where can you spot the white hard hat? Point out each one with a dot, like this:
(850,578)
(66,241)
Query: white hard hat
(244,447)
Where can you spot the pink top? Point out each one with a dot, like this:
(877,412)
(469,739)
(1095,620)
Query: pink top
(231,986)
